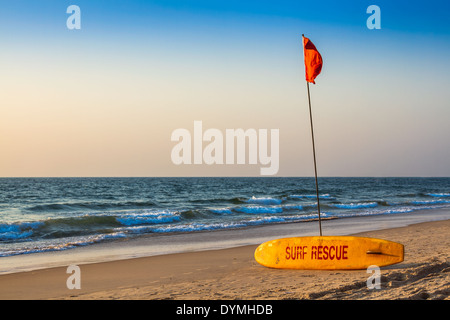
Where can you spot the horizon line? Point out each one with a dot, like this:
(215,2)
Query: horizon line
(72,177)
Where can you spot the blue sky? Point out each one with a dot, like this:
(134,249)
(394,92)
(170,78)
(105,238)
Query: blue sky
(410,16)
(137,70)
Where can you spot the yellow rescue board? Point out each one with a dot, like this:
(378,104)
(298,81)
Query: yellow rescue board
(328,253)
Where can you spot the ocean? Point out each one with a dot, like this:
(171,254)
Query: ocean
(54,214)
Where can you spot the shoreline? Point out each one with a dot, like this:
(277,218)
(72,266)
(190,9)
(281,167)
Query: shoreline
(232,273)
(163,244)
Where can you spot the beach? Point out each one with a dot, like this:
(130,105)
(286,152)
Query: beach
(232,273)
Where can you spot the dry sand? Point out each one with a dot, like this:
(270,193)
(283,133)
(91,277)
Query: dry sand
(234,274)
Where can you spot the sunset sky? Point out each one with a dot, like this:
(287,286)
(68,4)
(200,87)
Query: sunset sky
(105,99)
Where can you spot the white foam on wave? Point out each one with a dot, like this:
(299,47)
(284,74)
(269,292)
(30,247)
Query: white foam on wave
(259,209)
(221,210)
(376,212)
(292,207)
(63,244)
(263,200)
(438,194)
(196,227)
(293,218)
(164,216)
(192,227)
(355,205)
(310,196)
(18,230)
(428,202)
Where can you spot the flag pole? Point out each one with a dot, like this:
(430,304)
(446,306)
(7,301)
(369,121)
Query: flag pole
(314,156)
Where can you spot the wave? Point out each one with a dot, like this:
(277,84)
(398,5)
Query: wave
(109,222)
(57,214)
(354,205)
(427,202)
(71,232)
(233,200)
(83,225)
(375,212)
(76,206)
(149,218)
(268,200)
(438,194)
(221,211)
(17,230)
(259,209)
(392,210)
(64,244)
(293,218)
(310,196)
(195,227)
(293,207)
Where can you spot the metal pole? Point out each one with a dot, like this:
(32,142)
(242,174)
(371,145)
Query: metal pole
(314,156)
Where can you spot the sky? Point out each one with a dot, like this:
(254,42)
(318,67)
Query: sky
(104,100)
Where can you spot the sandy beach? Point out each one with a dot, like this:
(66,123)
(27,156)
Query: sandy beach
(233,274)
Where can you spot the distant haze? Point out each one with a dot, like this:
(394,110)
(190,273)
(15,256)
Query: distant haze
(105,99)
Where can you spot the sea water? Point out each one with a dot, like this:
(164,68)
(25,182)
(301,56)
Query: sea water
(54,214)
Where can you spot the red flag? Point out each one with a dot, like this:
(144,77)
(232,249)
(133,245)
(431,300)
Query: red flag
(313,60)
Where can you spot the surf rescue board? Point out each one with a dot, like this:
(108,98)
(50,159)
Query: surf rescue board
(328,253)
